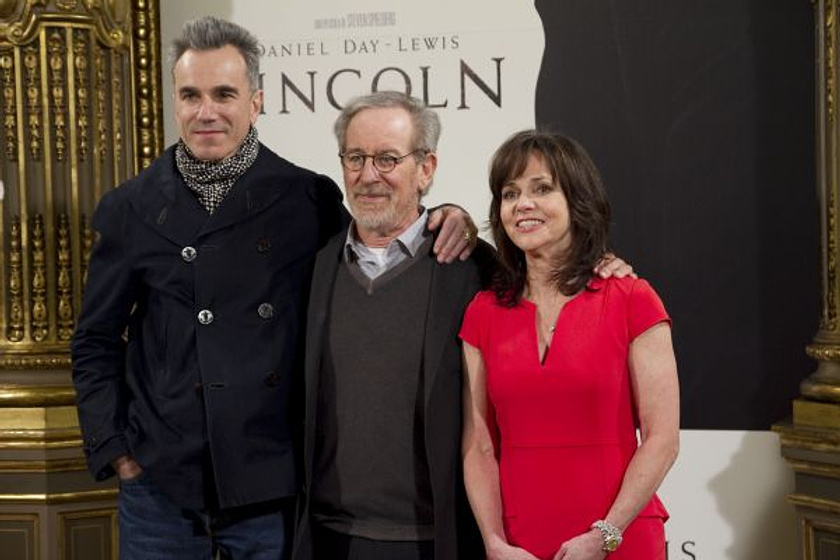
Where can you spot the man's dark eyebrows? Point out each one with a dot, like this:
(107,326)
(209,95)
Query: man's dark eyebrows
(187,89)
(225,89)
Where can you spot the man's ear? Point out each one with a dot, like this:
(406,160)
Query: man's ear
(256,105)
(427,172)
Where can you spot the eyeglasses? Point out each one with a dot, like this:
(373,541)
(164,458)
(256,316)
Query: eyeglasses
(384,163)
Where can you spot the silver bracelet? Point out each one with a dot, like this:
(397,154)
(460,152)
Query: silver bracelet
(610,533)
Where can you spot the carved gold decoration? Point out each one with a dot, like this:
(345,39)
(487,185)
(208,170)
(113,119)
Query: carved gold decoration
(116,104)
(101,102)
(823,351)
(55,48)
(7,65)
(80,51)
(6,7)
(87,245)
(65,283)
(66,5)
(829,60)
(14,331)
(34,361)
(40,328)
(33,100)
(148,84)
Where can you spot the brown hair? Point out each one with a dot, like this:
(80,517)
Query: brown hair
(589,211)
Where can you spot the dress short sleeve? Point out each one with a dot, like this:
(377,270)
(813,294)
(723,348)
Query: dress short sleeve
(645,309)
(477,319)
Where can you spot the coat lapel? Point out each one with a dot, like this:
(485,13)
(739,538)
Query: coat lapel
(257,189)
(444,294)
(320,302)
(166,205)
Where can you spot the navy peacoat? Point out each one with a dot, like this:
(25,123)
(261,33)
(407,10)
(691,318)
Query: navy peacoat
(191,330)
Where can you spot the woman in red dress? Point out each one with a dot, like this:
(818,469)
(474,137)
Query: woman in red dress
(562,370)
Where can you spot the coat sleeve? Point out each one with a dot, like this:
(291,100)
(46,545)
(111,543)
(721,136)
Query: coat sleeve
(98,347)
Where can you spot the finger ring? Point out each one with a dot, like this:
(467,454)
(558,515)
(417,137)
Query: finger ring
(467,235)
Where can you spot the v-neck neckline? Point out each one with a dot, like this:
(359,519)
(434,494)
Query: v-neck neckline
(542,359)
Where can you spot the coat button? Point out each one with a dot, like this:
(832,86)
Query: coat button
(205,316)
(272,379)
(265,311)
(263,244)
(189,254)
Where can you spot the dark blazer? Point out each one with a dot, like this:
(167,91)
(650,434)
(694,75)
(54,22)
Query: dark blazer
(191,328)
(452,288)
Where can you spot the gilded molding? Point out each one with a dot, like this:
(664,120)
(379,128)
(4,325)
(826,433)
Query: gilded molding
(811,502)
(814,469)
(36,395)
(40,439)
(39,418)
(810,539)
(61,497)
(109,545)
(811,438)
(34,361)
(14,332)
(46,466)
(7,64)
(40,327)
(823,351)
(33,539)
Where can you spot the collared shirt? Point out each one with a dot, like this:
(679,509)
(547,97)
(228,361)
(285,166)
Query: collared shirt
(375,261)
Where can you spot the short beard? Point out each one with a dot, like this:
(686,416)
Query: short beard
(384,221)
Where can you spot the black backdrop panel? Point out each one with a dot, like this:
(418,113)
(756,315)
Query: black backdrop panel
(700,115)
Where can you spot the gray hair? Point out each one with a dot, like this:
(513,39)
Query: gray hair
(426,122)
(210,33)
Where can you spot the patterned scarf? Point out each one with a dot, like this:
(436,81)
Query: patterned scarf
(211,180)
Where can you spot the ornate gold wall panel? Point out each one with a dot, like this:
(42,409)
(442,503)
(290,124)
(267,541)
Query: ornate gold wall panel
(80,114)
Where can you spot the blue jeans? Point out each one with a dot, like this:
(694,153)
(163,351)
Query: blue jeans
(153,528)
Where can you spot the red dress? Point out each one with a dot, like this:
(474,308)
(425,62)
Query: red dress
(566,428)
